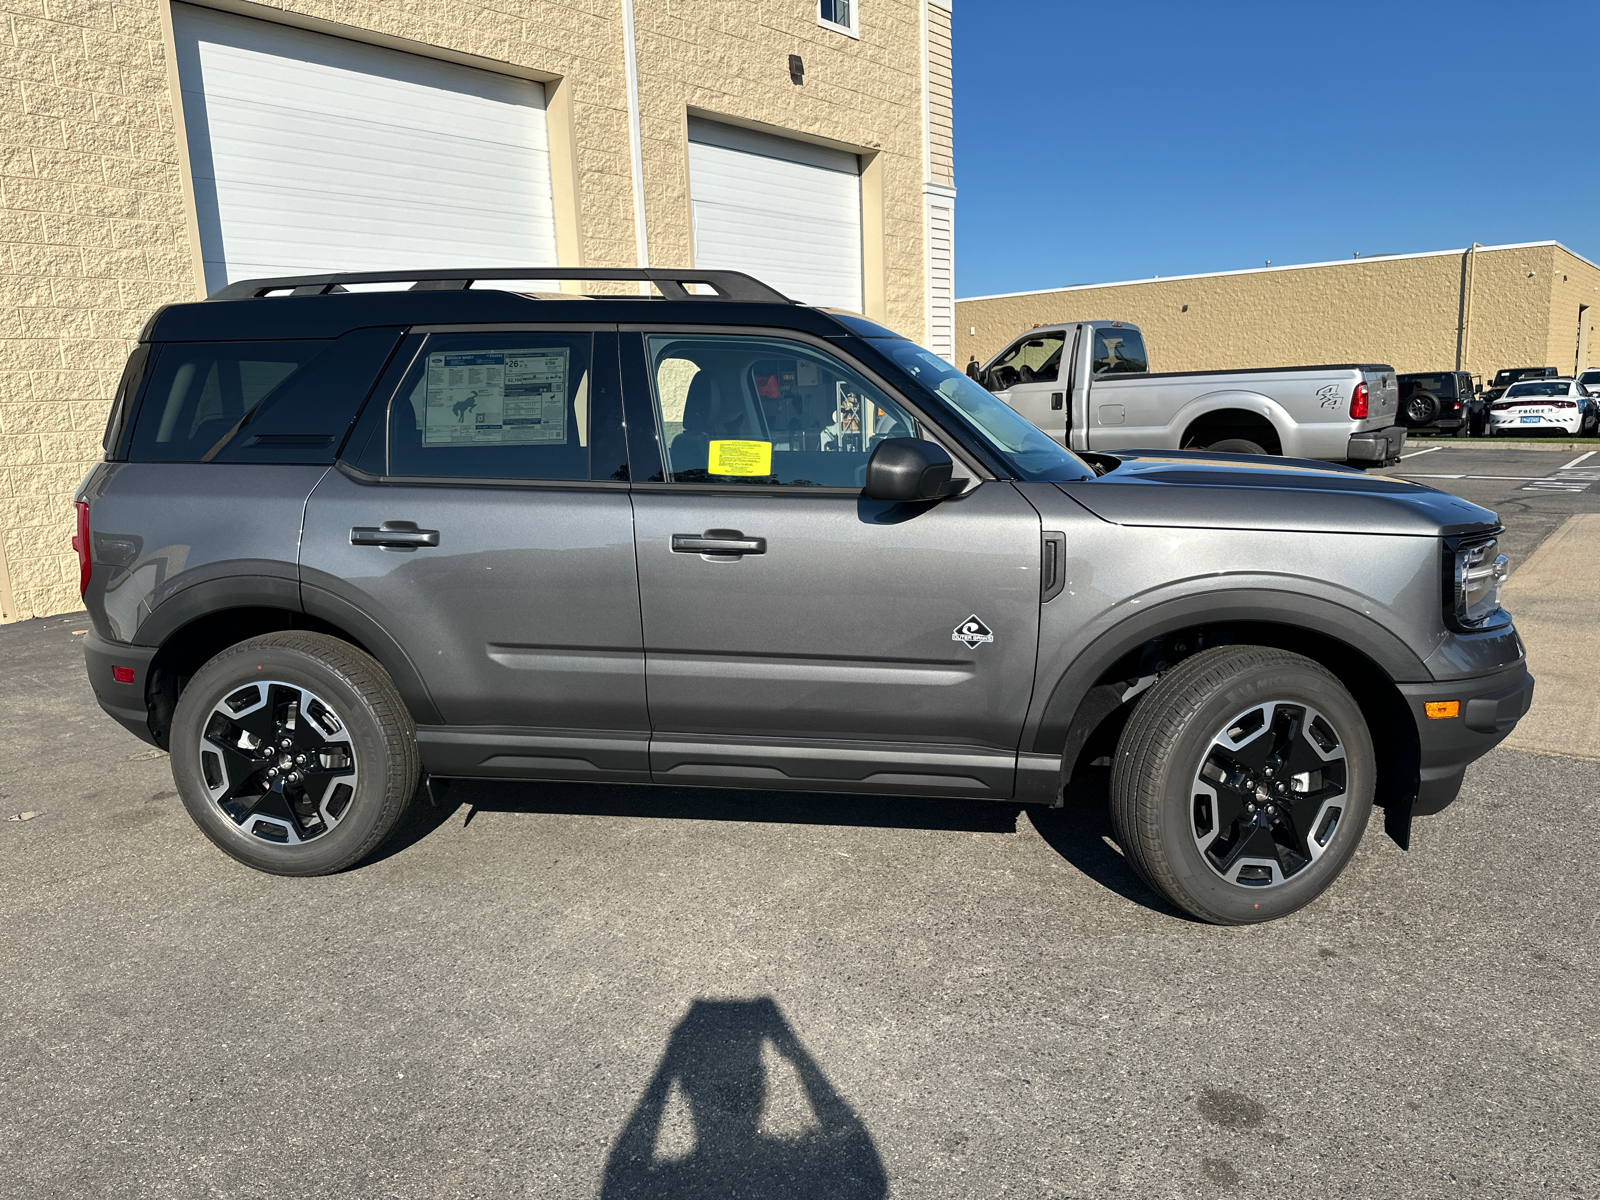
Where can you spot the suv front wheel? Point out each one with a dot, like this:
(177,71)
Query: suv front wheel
(1243,782)
(294,753)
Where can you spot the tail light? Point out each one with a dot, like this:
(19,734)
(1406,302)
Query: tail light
(80,543)
(1358,403)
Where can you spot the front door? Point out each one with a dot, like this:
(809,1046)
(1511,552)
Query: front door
(1029,375)
(491,537)
(797,634)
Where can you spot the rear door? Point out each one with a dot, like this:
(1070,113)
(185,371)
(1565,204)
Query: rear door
(796,633)
(481,521)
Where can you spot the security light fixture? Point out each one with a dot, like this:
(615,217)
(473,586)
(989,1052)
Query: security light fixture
(797,70)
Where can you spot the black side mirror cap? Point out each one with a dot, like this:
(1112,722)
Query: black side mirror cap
(908,470)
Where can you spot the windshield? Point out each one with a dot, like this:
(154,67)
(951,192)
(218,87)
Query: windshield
(1538,389)
(1024,445)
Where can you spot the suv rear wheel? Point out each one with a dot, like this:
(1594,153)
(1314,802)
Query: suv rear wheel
(1243,782)
(294,753)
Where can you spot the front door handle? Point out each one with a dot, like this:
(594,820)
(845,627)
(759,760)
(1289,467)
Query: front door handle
(394,535)
(717,541)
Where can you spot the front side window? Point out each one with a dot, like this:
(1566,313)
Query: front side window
(1034,359)
(840,14)
(495,406)
(757,410)
(1119,352)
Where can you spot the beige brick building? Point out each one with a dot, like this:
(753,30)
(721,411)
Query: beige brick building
(116,194)
(1479,309)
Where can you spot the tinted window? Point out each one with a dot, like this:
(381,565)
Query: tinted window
(1119,352)
(498,406)
(1589,378)
(1035,359)
(264,402)
(1537,389)
(754,410)
(1026,447)
(1442,384)
(127,389)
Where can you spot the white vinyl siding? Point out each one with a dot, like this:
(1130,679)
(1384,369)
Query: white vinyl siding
(942,276)
(785,211)
(316,153)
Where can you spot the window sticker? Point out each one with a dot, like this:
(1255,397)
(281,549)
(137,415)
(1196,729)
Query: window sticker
(739,458)
(497,398)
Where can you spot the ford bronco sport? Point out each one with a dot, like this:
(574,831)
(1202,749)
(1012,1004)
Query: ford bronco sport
(347,538)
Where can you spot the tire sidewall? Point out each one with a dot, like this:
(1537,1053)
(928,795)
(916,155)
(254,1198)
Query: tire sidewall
(362,822)
(1233,903)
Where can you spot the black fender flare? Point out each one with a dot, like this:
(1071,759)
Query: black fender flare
(209,597)
(1296,612)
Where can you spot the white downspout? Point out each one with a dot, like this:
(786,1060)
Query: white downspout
(630,61)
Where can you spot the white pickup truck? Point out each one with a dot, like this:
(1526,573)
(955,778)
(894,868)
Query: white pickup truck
(1088,385)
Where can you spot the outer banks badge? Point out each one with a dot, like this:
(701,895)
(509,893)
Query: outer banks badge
(973,632)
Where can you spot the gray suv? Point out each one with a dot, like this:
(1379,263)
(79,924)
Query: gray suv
(346,539)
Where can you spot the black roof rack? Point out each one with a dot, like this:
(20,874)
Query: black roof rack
(728,285)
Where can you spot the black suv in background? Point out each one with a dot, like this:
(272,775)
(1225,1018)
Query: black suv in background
(1505,377)
(1443,400)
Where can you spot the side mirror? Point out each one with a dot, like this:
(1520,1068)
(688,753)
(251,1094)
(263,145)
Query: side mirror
(907,470)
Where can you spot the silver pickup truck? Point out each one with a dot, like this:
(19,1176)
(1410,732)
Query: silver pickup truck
(1088,385)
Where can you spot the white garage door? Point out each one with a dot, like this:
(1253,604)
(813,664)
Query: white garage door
(315,153)
(787,212)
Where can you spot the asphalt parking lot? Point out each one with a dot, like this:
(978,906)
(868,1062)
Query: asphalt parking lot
(590,991)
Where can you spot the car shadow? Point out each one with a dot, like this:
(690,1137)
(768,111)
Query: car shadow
(1080,831)
(737,1107)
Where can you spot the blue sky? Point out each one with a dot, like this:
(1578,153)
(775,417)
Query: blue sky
(1099,141)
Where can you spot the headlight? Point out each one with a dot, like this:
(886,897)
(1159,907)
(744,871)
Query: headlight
(1478,573)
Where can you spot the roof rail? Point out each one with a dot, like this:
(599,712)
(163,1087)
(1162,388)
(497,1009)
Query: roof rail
(728,285)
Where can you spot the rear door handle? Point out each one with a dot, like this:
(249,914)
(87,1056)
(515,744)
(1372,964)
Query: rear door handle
(717,541)
(394,535)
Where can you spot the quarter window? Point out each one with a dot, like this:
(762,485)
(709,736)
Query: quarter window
(497,406)
(755,410)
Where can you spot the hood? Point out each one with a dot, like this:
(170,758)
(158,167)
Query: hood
(1198,490)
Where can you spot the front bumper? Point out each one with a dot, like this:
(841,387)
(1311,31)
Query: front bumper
(124,702)
(1489,708)
(1377,445)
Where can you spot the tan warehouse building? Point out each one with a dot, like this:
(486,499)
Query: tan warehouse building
(155,150)
(1477,310)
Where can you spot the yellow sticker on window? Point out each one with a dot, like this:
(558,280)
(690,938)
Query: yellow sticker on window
(739,458)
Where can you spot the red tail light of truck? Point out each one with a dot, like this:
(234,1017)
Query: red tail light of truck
(1358,403)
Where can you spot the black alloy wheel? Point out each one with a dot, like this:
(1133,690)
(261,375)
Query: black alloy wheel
(1242,783)
(294,753)
(277,761)
(1269,795)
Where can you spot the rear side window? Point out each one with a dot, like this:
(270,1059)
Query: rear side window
(1119,352)
(507,406)
(127,389)
(264,402)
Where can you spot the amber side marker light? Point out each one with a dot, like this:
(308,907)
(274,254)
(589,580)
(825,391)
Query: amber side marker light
(1439,710)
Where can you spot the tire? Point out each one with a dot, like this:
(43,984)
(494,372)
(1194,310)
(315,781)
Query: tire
(1421,409)
(1237,446)
(1177,826)
(330,797)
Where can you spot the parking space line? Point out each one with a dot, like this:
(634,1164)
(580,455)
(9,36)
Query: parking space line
(1422,475)
(1571,464)
(1431,449)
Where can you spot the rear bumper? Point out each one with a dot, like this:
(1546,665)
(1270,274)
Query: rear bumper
(1490,707)
(123,702)
(1377,445)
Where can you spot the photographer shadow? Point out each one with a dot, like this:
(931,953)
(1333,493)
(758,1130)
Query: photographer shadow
(738,1108)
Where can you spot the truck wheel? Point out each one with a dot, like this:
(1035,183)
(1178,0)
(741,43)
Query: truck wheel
(1236,446)
(294,753)
(1242,784)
